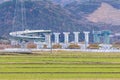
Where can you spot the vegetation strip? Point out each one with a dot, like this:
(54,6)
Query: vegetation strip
(90,63)
(63,65)
(59,72)
(59,67)
(57,57)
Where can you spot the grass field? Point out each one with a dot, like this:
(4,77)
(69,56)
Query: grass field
(60,66)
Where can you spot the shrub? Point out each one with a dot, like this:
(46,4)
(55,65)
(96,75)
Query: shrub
(57,46)
(44,46)
(93,46)
(16,46)
(116,45)
(74,46)
(31,45)
(1,47)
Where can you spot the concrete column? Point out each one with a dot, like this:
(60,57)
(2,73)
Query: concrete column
(14,42)
(66,37)
(106,39)
(39,44)
(96,36)
(56,37)
(23,44)
(48,39)
(106,34)
(76,37)
(86,38)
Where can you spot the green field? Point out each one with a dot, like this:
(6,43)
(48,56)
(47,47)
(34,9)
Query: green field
(60,66)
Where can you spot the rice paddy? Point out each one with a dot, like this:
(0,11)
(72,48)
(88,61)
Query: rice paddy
(60,65)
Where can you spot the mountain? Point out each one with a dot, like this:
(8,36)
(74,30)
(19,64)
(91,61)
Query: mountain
(65,2)
(39,15)
(62,2)
(2,1)
(105,14)
(85,7)
(62,15)
(81,10)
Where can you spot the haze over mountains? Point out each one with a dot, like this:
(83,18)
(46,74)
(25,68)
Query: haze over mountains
(64,15)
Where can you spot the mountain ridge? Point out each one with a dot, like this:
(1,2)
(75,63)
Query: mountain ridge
(45,14)
(107,14)
(39,15)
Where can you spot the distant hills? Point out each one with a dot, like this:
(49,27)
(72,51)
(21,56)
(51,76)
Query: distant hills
(106,14)
(82,9)
(63,15)
(62,2)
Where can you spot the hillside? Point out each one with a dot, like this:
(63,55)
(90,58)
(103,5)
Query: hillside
(106,14)
(40,15)
(82,9)
(62,2)
(51,14)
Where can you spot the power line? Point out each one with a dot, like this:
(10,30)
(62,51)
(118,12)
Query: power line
(19,20)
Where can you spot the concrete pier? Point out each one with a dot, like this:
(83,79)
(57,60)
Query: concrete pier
(66,37)
(86,38)
(48,40)
(56,37)
(76,37)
